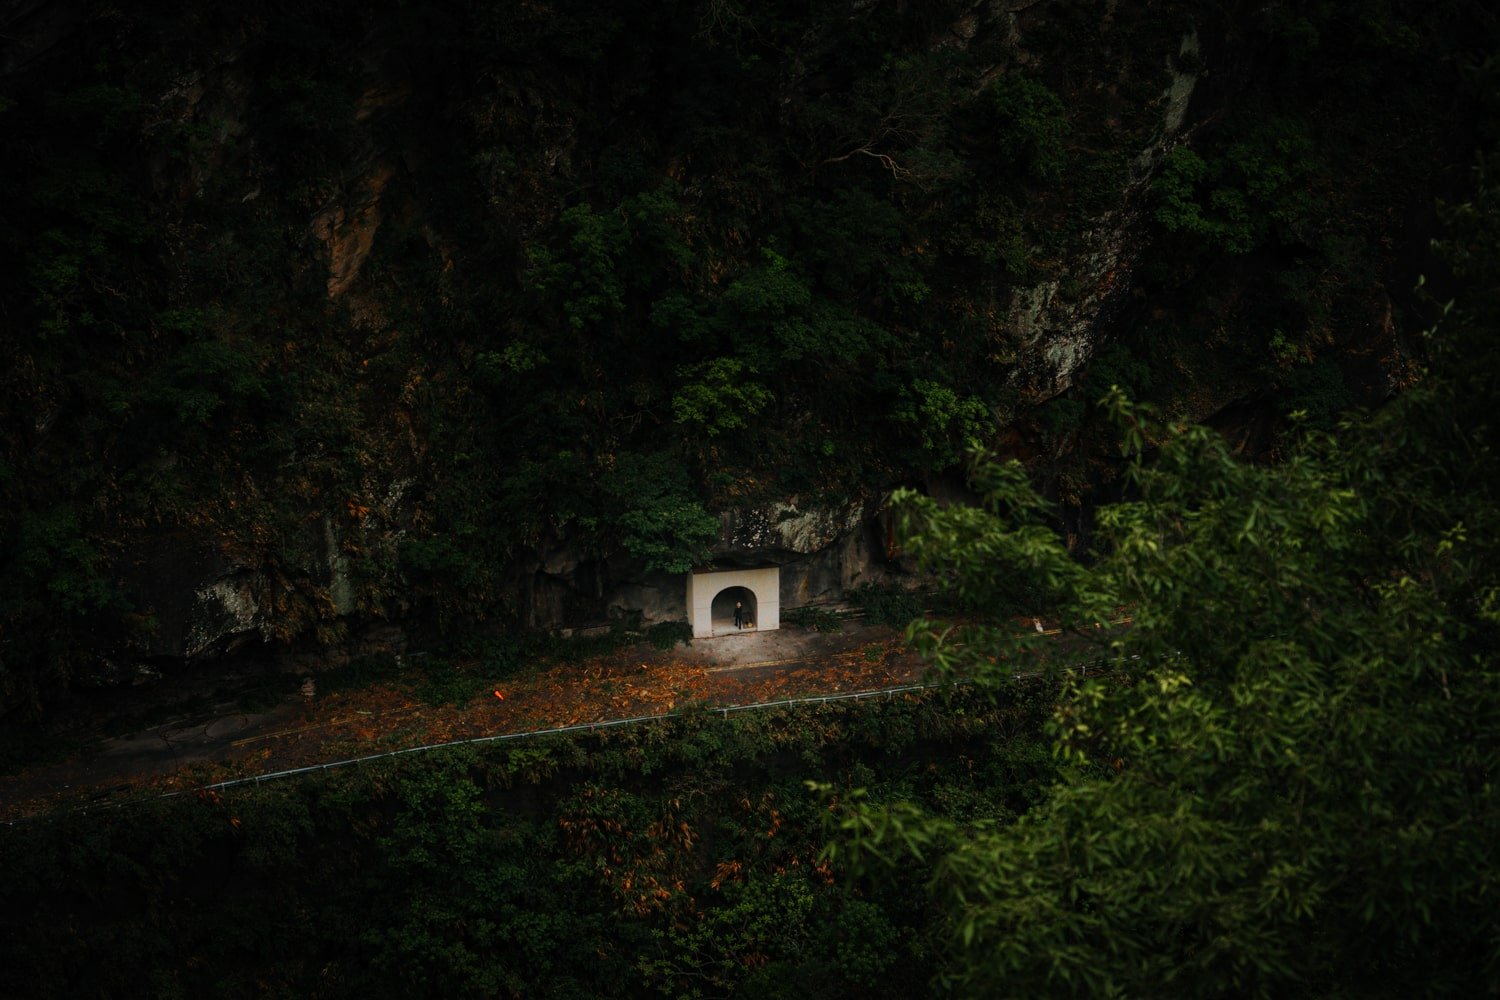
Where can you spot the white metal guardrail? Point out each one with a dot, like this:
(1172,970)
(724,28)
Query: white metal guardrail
(581,727)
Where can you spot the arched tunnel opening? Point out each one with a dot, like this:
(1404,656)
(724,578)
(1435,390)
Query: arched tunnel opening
(723,609)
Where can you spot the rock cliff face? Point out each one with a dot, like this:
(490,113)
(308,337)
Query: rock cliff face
(1058,332)
(786,531)
(339,321)
(823,553)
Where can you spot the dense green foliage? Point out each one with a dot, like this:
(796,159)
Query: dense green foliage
(426,292)
(678,859)
(387,308)
(887,605)
(1295,759)
(817,619)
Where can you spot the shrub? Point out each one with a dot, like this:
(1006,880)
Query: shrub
(886,605)
(817,619)
(665,635)
(1033,123)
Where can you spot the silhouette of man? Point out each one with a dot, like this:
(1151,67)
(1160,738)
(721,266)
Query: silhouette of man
(739,615)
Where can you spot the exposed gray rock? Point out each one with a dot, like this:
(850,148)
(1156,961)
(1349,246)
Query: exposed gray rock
(659,597)
(786,529)
(225,614)
(1180,93)
(1060,332)
(340,586)
(823,553)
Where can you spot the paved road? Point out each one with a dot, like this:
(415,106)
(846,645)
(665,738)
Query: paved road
(739,666)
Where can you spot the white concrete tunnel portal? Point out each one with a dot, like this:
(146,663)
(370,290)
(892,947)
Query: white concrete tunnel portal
(711,607)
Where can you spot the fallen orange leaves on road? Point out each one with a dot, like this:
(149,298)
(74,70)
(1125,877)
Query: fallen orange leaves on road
(629,683)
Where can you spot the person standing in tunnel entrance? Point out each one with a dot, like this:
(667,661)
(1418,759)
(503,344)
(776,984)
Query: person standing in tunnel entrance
(739,614)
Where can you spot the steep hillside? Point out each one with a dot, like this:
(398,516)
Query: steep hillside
(321,316)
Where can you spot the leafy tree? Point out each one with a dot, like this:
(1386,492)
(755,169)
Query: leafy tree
(769,304)
(1032,124)
(587,275)
(1235,202)
(1286,785)
(1223,220)
(718,396)
(659,520)
(945,423)
(56,560)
